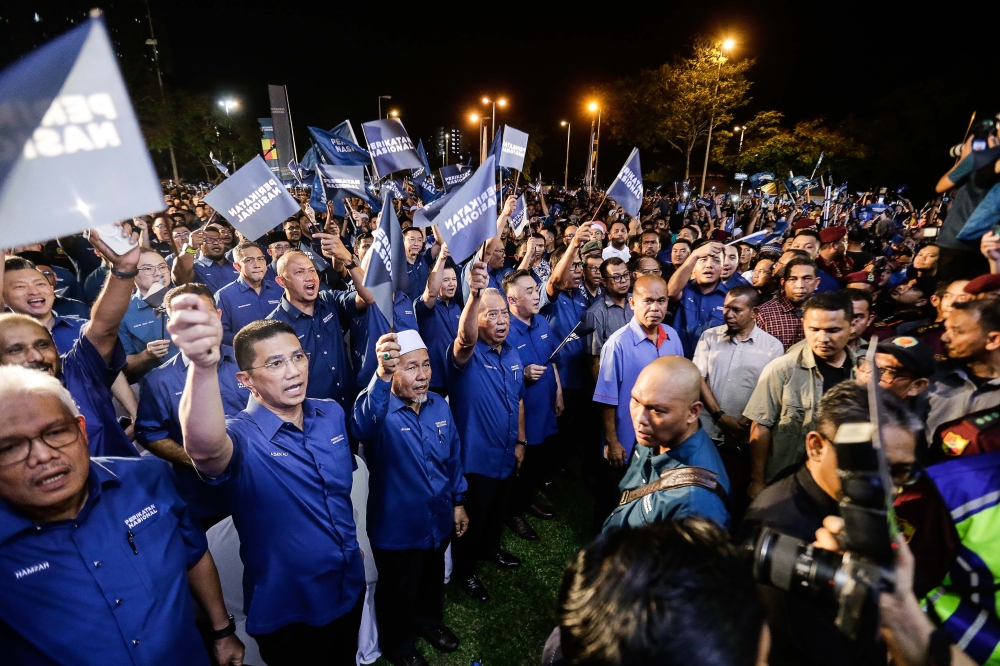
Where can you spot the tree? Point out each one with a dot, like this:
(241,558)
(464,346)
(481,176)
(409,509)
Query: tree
(675,104)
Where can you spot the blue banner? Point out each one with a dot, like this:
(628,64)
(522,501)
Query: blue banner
(426,189)
(425,170)
(219,165)
(390,146)
(626,189)
(497,144)
(513,148)
(345,132)
(395,188)
(386,261)
(337,150)
(469,218)
(761,178)
(72,156)
(519,217)
(453,175)
(425,216)
(253,200)
(342,181)
(309,160)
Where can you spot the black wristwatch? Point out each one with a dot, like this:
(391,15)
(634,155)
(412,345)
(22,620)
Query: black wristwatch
(717,415)
(522,442)
(125,275)
(229,630)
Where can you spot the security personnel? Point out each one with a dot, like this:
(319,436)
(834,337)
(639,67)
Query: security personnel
(251,297)
(143,330)
(287,469)
(438,313)
(157,424)
(666,405)
(109,538)
(415,498)
(486,385)
(319,318)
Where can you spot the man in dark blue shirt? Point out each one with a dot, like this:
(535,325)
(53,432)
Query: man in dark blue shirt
(143,331)
(252,296)
(110,539)
(438,313)
(415,498)
(209,265)
(416,265)
(698,288)
(27,291)
(287,469)
(486,384)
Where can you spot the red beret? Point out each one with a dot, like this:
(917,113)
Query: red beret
(832,234)
(720,235)
(859,276)
(803,223)
(983,284)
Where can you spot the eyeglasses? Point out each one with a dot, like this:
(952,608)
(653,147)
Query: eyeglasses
(494,315)
(886,372)
(620,278)
(152,270)
(46,273)
(182,234)
(649,271)
(576,266)
(15,450)
(281,247)
(275,364)
(761,271)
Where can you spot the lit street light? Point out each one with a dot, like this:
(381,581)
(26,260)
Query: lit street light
(229,104)
(393,114)
(501,103)
(726,45)
(595,139)
(741,130)
(476,118)
(568,127)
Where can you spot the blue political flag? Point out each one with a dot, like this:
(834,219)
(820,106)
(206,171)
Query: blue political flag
(386,261)
(372,199)
(425,170)
(756,238)
(309,160)
(317,195)
(819,161)
(67,127)
(453,175)
(342,181)
(497,144)
(519,217)
(426,189)
(425,216)
(253,200)
(395,188)
(469,218)
(345,132)
(762,178)
(626,189)
(390,146)
(219,165)
(513,148)
(337,150)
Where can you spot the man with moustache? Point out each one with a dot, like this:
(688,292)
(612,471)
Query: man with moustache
(698,288)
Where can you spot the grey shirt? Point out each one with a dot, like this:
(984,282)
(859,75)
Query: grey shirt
(605,318)
(732,367)
(952,395)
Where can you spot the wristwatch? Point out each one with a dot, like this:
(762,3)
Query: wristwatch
(521,442)
(125,275)
(229,630)
(717,415)
(354,264)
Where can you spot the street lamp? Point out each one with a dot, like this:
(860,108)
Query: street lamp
(501,103)
(476,118)
(393,114)
(229,104)
(568,127)
(741,130)
(596,138)
(380,98)
(726,45)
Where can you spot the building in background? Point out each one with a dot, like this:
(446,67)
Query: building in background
(450,146)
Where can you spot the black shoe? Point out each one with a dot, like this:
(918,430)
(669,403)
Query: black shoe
(409,659)
(542,513)
(521,528)
(506,560)
(475,589)
(440,637)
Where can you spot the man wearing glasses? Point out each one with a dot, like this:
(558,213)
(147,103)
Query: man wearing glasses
(277,245)
(143,331)
(162,240)
(251,296)
(609,313)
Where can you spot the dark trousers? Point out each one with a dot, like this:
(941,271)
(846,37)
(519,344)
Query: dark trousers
(334,644)
(580,433)
(486,506)
(409,595)
(537,464)
(608,494)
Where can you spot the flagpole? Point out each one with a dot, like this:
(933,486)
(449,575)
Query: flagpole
(291,125)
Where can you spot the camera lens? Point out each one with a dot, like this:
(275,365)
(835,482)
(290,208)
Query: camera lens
(790,564)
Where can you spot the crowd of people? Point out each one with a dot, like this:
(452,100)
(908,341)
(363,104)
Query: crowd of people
(697,360)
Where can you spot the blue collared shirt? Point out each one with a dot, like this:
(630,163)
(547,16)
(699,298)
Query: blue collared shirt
(698,450)
(626,353)
(485,396)
(534,344)
(416,468)
(142,325)
(368,326)
(291,497)
(496,277)
(241,304)
(416,278)
(828,283)
(214,274)
(736,280)
(322,335)
(564,313)
(74,592)
(438,328)
(71,307)
(66,331)
(697,313)
(88,378)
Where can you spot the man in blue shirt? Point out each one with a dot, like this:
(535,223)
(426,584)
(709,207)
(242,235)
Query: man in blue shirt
(808,241)
(209,265)
(698,288)
(438,313)
(110,539)
(627,352)
(286,465)
(532,338)
(95,360)
(277,245)
(252,296)
(416,265)
(319,318)
(665,410)
(143,331)
(26,291)
(486,384)
(415,498)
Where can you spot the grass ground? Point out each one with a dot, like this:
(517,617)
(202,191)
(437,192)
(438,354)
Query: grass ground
(510,629)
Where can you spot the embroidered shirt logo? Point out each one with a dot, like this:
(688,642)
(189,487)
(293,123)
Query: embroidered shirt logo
(143,515)
(27,571)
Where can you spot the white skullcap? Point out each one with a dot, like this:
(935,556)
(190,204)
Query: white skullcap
(409,341)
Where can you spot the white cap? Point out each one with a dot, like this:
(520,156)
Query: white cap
(409,341)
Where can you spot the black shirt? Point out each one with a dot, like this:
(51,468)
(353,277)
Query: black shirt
(831,375)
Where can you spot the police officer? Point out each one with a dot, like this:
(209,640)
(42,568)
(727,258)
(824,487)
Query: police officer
(287,468)
(416,494)
(107,537)
(252,296)
(486,385)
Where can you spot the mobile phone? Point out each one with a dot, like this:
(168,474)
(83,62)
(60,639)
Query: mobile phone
(881,200)
(931,232)
(110,233)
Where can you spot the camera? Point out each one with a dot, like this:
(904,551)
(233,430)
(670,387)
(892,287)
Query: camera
(852,581)
(980,133)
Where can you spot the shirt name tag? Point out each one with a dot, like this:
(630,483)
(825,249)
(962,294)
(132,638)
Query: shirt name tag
(145,323)
(404,430)
(522,346)
(274,302)
(328,318)
(544,335)
(27,571)
(245,305)
(337,440)
(515,368)
(143,515)
(440,424)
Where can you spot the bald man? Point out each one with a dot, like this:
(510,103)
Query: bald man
(675,470)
